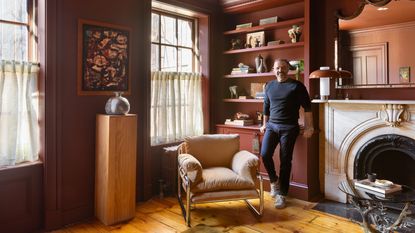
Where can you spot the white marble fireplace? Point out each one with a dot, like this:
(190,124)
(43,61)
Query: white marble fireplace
(346,125)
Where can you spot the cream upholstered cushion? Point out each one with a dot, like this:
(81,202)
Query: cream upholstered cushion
(213,150)
(245,164)
(222,178)
(191,167)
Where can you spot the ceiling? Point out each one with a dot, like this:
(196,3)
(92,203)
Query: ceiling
(397,12)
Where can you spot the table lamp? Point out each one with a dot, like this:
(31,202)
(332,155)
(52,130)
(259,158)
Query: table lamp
(324,74)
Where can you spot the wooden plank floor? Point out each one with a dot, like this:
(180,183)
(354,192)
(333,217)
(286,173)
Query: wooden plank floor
(164,215)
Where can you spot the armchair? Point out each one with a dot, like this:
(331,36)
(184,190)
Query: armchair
(211,168)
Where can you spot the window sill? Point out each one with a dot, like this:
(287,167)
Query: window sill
(21,165)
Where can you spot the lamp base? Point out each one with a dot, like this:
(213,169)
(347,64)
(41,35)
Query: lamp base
(324,97)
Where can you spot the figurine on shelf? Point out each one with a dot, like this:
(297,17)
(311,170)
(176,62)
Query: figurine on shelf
(236,44)
(234,92)
(259,116)
(241,116)
(295,33)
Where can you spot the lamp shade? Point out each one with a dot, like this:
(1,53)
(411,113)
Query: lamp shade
(324,72)
(328,73)
(344,74)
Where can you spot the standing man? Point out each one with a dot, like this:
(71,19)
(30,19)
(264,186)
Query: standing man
(283,98)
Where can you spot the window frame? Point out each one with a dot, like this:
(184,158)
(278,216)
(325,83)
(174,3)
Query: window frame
(30,25)
(159,44)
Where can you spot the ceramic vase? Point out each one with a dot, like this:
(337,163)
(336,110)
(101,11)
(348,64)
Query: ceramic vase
(260,64)
(117,105)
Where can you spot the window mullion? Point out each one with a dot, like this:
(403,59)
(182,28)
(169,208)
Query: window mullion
(159,41)
(30,37)
(177,44)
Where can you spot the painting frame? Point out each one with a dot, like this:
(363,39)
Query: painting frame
(405,74)
(103,58)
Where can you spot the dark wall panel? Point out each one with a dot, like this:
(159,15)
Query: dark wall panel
(21,198)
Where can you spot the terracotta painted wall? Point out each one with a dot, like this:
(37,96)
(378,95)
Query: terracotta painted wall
(397,38)
(347,8)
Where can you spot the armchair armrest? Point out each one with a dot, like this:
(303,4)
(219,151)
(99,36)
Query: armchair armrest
(245,164)
(191,166)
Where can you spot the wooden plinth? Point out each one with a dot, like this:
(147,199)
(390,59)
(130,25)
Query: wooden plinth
(115,171)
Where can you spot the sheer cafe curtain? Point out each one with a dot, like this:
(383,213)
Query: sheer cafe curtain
(19,130)
(176,106)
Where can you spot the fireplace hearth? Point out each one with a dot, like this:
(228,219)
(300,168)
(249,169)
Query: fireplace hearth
(390,156)
(361,136)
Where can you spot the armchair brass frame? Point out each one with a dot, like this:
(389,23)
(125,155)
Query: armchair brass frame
(187,183)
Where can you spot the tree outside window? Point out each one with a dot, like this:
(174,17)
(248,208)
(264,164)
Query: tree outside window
(17,33)
(173,43)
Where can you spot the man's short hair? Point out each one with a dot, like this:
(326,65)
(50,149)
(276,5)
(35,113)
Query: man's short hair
(290,67)
(282,60)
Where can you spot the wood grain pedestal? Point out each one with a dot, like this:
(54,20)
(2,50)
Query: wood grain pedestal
(115,168)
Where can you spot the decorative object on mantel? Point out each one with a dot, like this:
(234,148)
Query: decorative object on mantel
(405,74)
(117,105)
(393,114)
(324,74)
(260,65)
(295,33)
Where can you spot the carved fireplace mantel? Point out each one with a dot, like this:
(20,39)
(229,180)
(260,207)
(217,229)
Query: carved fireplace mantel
(346,125)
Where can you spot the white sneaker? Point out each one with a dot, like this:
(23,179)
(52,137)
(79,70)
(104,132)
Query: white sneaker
(275,187)
(279,202)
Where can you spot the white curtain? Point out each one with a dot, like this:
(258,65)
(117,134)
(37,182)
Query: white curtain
(176,106)
(19,129)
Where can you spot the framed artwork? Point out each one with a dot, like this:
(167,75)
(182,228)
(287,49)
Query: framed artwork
(103,58)
(404,74)
(255,39)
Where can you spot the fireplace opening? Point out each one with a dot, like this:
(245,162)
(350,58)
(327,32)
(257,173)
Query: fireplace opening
(390,156)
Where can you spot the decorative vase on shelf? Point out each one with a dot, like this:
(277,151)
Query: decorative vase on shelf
(295,33)
(117,105)
(260,64)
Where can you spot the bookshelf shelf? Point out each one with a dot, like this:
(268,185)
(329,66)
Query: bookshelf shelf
(243,100)
(264,48)
(257,75)
(266,26)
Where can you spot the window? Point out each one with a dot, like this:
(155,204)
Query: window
(172,43)
(17,30)
(176,87)
(19,128)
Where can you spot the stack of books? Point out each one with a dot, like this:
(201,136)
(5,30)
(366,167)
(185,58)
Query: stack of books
(378,187)
(239,122)
(242,70)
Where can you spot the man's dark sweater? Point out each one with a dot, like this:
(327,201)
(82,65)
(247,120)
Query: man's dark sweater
(283,100)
